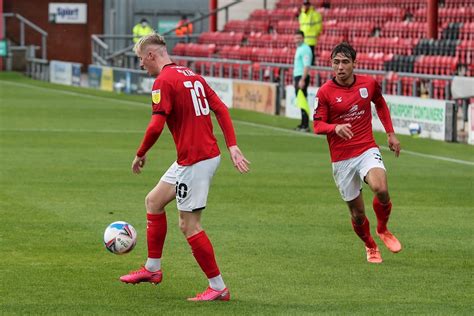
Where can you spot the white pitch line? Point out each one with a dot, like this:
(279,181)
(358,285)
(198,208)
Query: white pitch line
(279,129)
(69,130)
(414,153)
(105,131)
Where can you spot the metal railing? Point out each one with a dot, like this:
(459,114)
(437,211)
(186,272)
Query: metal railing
(37,69)
(103,53)
(280,73)
(25,22)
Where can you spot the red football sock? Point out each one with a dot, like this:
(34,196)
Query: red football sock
(363,231)
(382,211)
(204,253)
(155,234)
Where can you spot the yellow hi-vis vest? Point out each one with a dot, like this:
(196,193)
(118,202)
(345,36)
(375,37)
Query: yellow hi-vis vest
(311,23)
(139,31)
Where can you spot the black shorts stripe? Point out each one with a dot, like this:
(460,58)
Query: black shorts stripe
(159,112)
(198,209)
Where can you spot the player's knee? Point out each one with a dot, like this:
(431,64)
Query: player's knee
(382,194)
(380,189)
(189,229)
(152,206)
(182,226)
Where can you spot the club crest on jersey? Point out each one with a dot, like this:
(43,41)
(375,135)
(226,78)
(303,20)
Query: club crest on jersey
(364,93)
(156,96)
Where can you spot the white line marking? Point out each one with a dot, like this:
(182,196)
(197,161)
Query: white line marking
(279,129)
(69,130)
(414,153)
(106,131)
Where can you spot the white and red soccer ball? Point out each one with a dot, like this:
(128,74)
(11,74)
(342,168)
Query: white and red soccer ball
(120,237)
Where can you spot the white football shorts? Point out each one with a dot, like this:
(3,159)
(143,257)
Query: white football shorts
(350,173)
(192,183)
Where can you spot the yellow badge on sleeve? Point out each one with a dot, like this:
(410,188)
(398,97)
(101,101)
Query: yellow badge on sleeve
(156,96)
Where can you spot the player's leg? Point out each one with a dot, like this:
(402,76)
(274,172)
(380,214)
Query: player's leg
(374,174)
(376,178)
(191,197)
(361,226)
(345,175)
(157,227)
(203,252)
(295,82)
(155,202)
(304,115)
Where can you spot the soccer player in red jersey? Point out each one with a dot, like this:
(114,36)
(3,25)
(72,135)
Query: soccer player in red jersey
(182,100)
(343,113)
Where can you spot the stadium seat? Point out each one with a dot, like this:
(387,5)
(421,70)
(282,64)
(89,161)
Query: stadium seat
(287,27)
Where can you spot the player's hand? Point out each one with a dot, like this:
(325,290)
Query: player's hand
(138,163)
(301,84)
(394,144)
(344,131)
(240,163)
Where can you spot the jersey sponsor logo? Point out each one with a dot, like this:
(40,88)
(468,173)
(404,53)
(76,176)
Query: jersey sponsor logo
(353,114)
(156,96)
(354,108)
(338,99)
(364,93)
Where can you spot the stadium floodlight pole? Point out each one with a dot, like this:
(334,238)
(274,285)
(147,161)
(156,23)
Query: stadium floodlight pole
(213,17)
(432,19)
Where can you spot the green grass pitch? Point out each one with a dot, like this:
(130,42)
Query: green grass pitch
(281,233)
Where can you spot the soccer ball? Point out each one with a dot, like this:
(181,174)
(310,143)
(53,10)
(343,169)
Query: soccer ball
(415,129)
(120,237)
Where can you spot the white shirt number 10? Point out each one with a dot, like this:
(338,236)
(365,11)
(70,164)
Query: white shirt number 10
(201,106)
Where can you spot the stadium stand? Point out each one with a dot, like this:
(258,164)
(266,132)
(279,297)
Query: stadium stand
(389,35)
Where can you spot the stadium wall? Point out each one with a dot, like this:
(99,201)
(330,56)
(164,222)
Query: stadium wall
(71,42)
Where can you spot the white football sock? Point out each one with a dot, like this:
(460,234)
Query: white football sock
(217,283)
(153,264)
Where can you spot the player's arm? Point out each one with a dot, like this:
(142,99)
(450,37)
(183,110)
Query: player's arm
(225,123)
(153,132)
(383,113)
(161,106)
(307,58)
(320,120)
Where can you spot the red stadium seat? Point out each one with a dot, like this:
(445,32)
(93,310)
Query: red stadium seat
(287,27)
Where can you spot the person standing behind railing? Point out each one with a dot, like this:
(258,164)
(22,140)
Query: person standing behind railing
(141,29)
(311,24)
(183,27)
(301,64)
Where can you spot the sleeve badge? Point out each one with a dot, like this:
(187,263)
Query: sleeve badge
(156,96)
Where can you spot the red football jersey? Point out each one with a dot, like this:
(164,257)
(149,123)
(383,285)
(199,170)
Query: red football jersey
(336,104)
(185,101)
